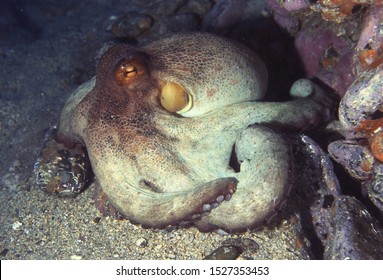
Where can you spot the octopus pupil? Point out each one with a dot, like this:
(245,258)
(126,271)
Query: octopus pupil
(129,70)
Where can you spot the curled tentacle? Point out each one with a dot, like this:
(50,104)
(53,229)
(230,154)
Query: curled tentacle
(158,210)
(311,108)
(259,194)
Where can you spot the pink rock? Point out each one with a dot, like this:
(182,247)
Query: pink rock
(371,36)
(327,57)
(224,14)
(282,16)
(295,5)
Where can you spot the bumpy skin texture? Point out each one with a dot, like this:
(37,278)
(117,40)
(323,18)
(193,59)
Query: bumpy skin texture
(158,168)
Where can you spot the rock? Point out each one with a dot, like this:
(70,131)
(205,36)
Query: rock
(356,159)
(16,225)
(246,245)
(76,257)
(353,233)
(224,14)
(171,256)
(374,188)
(342,223)
(227,252)
(360,153)
(131,25)
(141,242)
(4,252)
(316,187)
(198,8)
(179,23)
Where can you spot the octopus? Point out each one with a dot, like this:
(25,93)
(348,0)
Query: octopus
(176,134)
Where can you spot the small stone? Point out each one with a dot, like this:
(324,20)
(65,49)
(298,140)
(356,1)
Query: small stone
(171,256)
(76,257)
(248,246)
(131,25)
(4,252)
(354,233)
(16,225)
(189,238)
(227,252)
(141,242)
(199,8)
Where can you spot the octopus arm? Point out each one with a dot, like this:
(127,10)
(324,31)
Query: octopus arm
(158,210)
(74,100)
(260,195)
(297,114)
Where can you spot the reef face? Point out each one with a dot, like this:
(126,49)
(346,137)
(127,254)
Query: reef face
(346,54)
(336,40)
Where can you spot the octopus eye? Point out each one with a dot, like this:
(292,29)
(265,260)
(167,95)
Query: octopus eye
(175,99)
(127,70)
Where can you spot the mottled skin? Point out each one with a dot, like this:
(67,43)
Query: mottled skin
(159,168)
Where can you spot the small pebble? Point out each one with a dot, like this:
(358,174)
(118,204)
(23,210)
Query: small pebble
(4,252)
(131,25)
(16,225)
(224,253)
(76,257)
(171,256)
(141,242)
(247,246)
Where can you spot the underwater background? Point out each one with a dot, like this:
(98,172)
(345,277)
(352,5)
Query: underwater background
(48,48)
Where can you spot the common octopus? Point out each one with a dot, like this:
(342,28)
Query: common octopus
(175,138)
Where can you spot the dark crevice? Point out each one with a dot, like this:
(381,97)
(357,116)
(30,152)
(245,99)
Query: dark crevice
(234,163)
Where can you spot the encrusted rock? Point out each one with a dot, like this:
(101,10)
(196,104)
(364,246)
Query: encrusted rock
(352,232)
(131,25)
